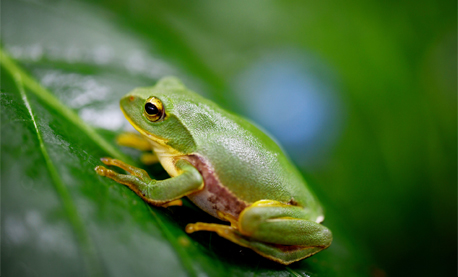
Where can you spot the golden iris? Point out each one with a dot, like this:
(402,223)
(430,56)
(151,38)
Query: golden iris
(154,110)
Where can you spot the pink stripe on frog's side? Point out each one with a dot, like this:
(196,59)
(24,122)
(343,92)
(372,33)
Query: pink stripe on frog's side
(214,196)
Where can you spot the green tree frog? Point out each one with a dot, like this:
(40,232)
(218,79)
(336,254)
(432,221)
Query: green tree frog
(226,166)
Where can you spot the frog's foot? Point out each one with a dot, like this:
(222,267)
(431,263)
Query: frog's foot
(149,158)
(284,254)
(138,172)
(139,142)
(224,231)
(134,140)
(138,181)
(159,193)
(228,217)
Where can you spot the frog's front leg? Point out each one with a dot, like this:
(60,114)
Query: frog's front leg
(274,230)
(159,193)
(137,141)
(134,140)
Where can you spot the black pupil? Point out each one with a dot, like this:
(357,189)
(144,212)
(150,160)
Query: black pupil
(151,109)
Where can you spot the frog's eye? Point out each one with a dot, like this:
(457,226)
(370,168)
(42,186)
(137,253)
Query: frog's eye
(154,110)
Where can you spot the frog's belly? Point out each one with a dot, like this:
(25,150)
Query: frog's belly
(214,196)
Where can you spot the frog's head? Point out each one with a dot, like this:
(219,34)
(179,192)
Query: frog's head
(157,113)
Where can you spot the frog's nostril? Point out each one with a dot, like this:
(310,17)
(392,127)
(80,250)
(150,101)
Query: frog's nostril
(131,98)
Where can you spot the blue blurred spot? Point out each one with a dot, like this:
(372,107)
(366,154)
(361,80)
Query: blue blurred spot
(293,97)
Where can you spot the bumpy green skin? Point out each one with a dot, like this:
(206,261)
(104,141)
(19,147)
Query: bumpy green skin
(247,161)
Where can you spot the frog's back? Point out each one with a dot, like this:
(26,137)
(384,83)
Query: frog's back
(245,161)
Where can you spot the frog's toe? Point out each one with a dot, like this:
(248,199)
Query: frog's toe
(107,160)
(138,172)
(105,172)
(101,170)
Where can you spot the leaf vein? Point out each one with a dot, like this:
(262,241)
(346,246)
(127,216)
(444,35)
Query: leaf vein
(89,254)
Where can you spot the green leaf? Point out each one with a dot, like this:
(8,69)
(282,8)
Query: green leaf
(61,218)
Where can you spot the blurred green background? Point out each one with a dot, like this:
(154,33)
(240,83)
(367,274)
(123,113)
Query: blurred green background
(361,94)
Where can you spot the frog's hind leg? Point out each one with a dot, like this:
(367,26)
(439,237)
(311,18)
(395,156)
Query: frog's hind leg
(284,254)
(274,230)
